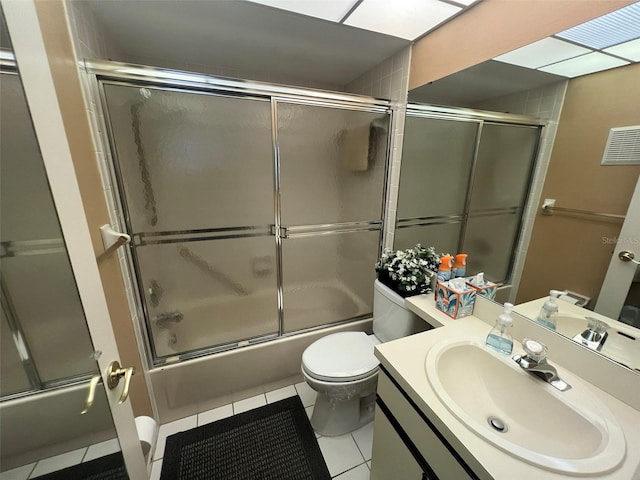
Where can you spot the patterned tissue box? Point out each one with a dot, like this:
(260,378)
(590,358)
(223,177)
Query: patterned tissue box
(455,303)
(488,289)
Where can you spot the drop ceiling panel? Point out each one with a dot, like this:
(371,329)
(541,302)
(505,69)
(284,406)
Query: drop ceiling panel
(629,50)
(333,10)
(611,29)
(543,52)
(406,19)
(590,63)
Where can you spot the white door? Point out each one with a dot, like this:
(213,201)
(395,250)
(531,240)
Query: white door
(624,263)
(29,50)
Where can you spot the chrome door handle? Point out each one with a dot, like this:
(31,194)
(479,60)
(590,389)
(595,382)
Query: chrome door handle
(115,373)
(627,256)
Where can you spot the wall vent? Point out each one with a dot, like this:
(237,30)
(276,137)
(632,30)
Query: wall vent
(623,146)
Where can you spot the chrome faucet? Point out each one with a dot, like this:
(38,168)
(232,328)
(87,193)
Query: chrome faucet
(535,362)
(164,320)
(595,334)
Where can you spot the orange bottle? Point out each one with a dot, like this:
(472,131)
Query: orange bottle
(460,265)
(444,270)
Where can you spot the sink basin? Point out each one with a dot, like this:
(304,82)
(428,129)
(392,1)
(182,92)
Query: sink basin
(569,432)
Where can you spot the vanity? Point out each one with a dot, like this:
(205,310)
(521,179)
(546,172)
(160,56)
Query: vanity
(449,408)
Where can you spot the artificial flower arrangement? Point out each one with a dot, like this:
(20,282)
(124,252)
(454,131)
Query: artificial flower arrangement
(408,272)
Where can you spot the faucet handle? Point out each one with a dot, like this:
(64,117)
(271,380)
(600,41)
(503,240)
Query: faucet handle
(535,350)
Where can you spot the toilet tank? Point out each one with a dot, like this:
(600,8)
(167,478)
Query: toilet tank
(390,319)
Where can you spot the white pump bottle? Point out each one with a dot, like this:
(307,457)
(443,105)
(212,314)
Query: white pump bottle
(546,317)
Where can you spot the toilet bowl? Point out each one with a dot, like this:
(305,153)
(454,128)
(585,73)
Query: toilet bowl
(343,369)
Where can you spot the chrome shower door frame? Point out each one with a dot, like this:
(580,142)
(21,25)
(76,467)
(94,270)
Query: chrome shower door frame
(101,73)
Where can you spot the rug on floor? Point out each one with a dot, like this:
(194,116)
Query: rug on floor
(109,467)
(273,442)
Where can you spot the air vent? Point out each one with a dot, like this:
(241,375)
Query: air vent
(623,146)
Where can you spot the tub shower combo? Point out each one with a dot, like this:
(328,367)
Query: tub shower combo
(255,211)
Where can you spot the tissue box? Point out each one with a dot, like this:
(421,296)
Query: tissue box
(455,303)
(488,289)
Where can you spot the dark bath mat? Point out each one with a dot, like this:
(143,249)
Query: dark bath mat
(273,442)
(109,467)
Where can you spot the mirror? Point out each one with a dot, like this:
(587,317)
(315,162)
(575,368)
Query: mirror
(46,354)
(566,251)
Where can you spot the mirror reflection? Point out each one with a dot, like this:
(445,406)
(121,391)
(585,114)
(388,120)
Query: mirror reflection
(575,246)
(46,352)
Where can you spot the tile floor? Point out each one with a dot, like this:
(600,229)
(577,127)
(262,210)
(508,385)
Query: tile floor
(64,460)
(348,457)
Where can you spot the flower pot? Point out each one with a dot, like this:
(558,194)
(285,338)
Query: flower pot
(386,280)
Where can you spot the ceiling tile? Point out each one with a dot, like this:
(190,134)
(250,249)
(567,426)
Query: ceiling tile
(543,52)
(406,19)
(629,50)
(335,10)
(611,29)
(590,63)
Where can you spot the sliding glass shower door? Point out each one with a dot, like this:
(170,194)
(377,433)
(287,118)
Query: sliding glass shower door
(251,216)
(463,185)
(196,179)
(332,174)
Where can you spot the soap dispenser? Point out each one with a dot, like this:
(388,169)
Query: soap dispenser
(500,337)
(546,317)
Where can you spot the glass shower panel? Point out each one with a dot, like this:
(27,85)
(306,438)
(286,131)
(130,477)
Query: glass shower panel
(333,164)
(201,294)
(13,376)
(436,163)
(490,243)
(328,278)
(443,237)
(505,161)
(192,160)
(34,260)
(54,326)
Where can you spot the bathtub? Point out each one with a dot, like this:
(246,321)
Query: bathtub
(196,385)
(233,318)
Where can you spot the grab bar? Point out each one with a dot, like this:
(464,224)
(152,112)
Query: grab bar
(549,206)
(203,265)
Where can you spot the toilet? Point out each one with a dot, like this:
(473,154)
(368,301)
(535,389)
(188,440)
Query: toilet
(342,368)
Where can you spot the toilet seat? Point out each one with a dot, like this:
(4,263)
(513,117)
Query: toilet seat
(341,357)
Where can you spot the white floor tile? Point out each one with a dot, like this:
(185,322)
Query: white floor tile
(281,393)
(361,472)
(364,438)
(170,428)
(215,414)
(309,411)
(53,464)
(20,473)
(156,470)
(102,449)
(369,464)
(249,403)
(307,394)
(340,453)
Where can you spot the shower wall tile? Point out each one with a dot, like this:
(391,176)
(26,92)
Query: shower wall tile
(545,103)
(91,39)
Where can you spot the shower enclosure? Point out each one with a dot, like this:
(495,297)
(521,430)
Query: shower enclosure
(464,184)
(255,211)
(46,352)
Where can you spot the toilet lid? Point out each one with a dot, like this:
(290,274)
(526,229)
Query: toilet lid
(340,357)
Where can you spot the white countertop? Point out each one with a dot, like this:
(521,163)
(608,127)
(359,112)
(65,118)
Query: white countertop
(404,359)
